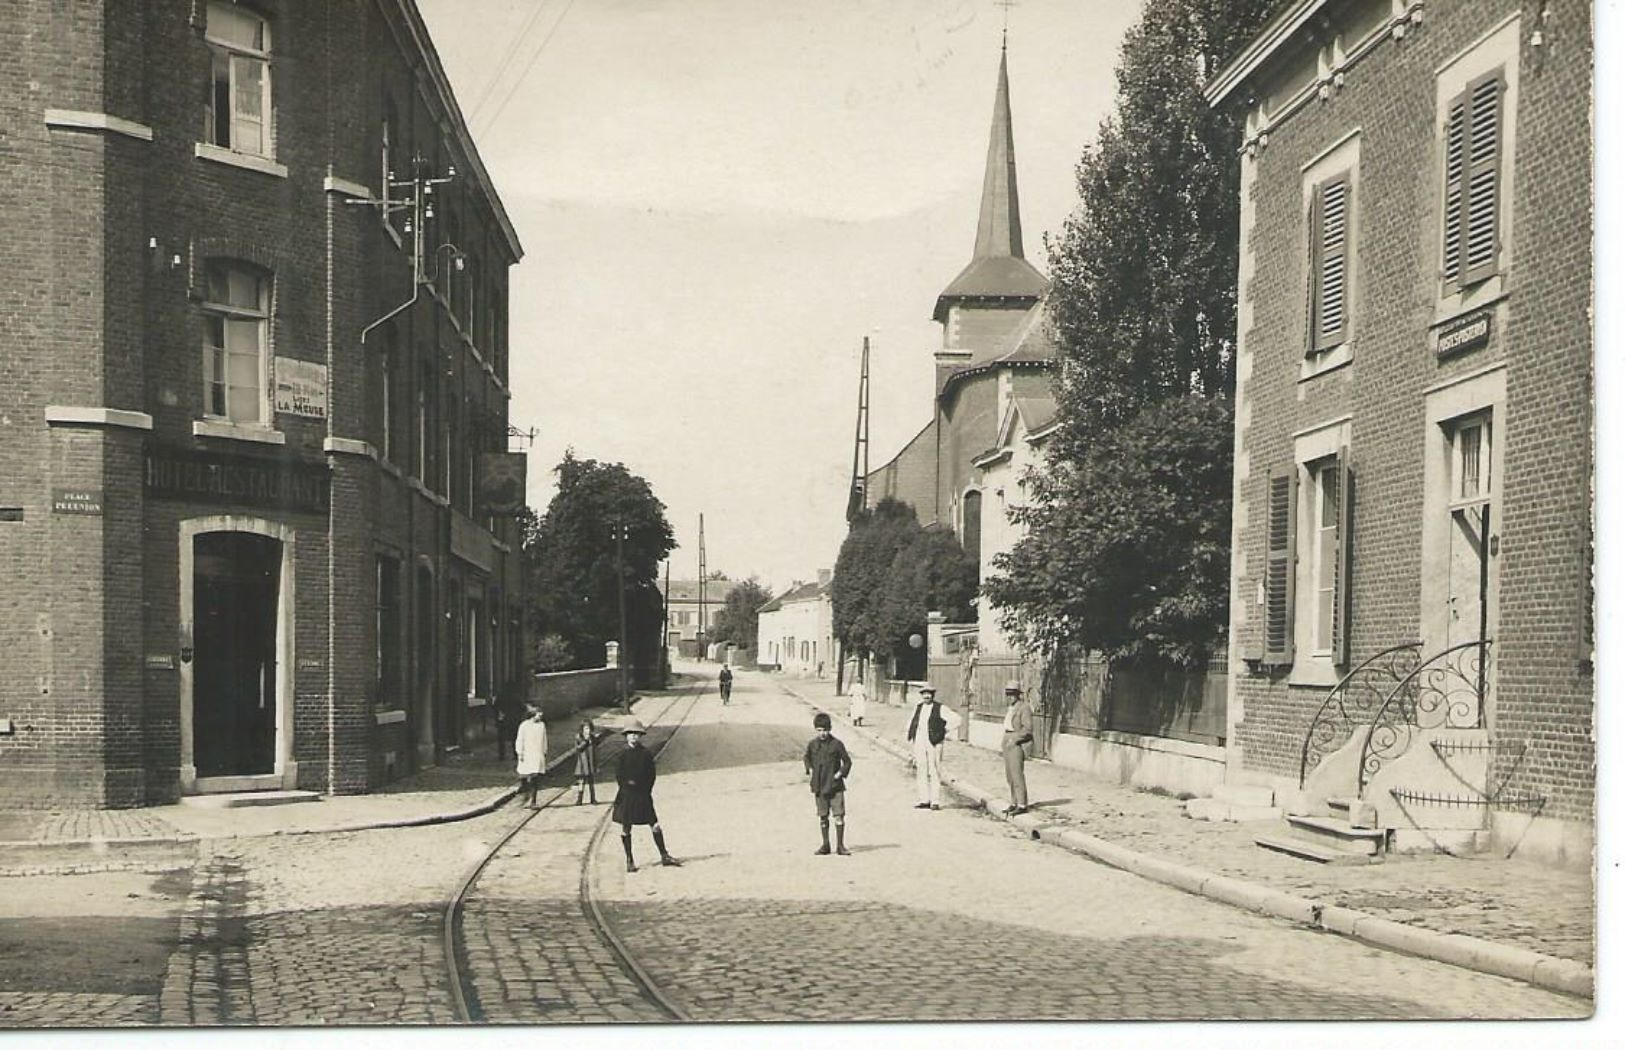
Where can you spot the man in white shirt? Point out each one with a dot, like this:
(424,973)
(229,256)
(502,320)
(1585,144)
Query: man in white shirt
(927,730)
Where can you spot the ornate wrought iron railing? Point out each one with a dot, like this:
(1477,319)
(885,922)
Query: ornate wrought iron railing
(1352,702)
(1446,691)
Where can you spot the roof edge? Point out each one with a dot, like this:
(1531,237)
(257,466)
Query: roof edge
(1269,40)
(408,10)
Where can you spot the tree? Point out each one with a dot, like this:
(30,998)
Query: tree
(1144,271)
(1120,552)
(933,573)
(1123,553)
(573,590)
(736,622)
(859,580)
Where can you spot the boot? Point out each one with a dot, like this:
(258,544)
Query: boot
(823,829)
(666,859)
(626,844)
(840,841)
(578,792)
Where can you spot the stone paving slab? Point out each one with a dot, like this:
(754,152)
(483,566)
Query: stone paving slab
(1507,900)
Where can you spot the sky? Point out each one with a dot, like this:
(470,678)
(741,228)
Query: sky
(718,201)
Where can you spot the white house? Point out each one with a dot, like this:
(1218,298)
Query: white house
(795,632)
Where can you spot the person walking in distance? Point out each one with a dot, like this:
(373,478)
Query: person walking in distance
(927,730)
(828,765)
(1018,739)
(530,753)
(857,704)
(587,762)
(725,683)
(634,802)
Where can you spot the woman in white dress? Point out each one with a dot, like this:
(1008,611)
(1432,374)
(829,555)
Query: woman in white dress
(857,702)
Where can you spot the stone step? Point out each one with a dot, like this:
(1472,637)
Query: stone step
(1251,795)
(235,799)
(1338,834)
(1320,854)
(1357,812)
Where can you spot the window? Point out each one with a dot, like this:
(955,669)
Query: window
(239,98)
(1325,568)
(386,398)
(425,407)
(1472,183)
(389,633)
(1308,545)
(388,142)
(236,308)
(1329,264)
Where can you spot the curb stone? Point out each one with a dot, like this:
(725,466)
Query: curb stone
(1471,953)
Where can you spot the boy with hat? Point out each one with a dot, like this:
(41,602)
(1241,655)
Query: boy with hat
(634,802)
(828,765)
(927,730)
(1018,738)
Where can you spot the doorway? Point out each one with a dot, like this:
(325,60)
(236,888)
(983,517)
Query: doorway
(236,599)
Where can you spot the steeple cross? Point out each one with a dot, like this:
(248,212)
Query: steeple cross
(1007,5)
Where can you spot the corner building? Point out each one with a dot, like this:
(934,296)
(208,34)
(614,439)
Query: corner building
(1411,591)
(253,403)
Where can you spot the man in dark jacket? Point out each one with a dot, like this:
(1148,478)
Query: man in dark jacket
(634,802)
(828,766)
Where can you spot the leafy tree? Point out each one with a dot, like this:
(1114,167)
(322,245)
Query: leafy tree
(933,573)
(1124,553)
(859,580)
(736,622)
(1127,543)
(553,653)
(570,559)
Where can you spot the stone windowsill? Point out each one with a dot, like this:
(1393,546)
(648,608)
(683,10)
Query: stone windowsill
(219,428)
(250,161)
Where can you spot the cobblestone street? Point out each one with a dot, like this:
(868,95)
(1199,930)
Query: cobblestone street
(936,916)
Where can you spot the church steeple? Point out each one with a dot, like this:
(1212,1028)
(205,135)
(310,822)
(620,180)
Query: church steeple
(998,227)
(998,275)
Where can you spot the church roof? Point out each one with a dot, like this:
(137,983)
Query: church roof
(997,269)
(1032,344)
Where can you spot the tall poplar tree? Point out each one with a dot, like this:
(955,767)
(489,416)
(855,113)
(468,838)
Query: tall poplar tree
(1144,308)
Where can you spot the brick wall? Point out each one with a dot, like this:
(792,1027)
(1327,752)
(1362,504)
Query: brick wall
(1541,332)
(107,249)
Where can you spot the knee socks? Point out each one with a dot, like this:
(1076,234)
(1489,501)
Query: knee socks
(840,835)
(660,843)
(823,830)
(626,843)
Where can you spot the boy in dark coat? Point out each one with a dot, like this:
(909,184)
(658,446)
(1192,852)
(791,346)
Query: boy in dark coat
(634,802)
(828,766)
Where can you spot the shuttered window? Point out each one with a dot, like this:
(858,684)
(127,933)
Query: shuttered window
(1329,214)
(1472,183)
(1279,567)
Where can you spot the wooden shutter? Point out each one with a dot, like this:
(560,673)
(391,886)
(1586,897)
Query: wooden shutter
(1342,581)
(1279,567)
(1312,344)
(1472,182)
(1330,232)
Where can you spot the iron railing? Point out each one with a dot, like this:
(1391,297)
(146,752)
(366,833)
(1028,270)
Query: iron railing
(1446,691)
(1352,702)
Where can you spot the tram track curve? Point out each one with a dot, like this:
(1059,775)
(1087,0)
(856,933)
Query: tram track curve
(452,940)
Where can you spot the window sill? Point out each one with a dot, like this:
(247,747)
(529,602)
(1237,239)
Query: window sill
(250,161)
(1316,671)
(385,718)
(1482,296)
(219,428)
(1320,364)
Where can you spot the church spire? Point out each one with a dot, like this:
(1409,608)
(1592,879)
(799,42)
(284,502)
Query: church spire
(998,227)
(998,275)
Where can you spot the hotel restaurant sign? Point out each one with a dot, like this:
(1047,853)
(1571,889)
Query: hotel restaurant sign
(208,477)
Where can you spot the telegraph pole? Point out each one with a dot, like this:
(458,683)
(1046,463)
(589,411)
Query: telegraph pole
(701,634)
(620,593)
(665,629)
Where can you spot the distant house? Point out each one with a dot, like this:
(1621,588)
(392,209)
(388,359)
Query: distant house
(795,632)
(689,617)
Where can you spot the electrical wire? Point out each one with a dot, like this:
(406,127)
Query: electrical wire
(489,123)
(506,60)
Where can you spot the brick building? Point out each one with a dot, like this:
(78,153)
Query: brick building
(253,403)
(1411,595)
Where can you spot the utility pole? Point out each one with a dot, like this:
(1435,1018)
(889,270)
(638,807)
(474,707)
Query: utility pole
(858,498)
(620,593)
(665,629)
(701,634)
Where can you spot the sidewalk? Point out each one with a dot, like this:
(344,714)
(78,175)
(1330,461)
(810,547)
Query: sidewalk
(467,784)
(1521,907)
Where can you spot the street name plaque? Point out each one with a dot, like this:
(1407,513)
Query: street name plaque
(1468,333)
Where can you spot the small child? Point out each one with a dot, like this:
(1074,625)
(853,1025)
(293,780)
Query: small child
(827,765)
(586,762)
